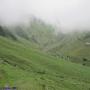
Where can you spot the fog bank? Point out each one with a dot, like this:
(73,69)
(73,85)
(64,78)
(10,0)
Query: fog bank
(67,14)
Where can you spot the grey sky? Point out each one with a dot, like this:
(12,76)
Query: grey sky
(64,13)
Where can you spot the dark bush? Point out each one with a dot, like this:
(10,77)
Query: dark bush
(84,59)
(42,72)
(84,64)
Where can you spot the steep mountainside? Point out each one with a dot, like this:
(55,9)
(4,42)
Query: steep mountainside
(34,58)
(26,68)
(36,32)
(73,46)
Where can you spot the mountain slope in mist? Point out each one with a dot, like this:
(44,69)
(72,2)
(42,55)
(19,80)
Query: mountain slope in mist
(73,46)
(26,60)
(36,32)
(25,67)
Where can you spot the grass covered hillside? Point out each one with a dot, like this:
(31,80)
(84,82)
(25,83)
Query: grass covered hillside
(28,58)
(73,46)
(36,32)
(27,68)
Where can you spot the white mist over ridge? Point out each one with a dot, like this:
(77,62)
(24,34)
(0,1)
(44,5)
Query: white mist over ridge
(68,15)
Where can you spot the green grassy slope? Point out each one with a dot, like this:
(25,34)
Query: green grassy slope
(36,32)
(27,68)
(73,46)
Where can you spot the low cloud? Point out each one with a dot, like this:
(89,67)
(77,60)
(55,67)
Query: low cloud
(66,14)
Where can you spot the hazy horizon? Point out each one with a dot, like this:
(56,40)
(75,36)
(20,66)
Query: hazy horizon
(66,14)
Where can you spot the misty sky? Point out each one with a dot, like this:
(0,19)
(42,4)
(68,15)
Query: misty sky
(65,13)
